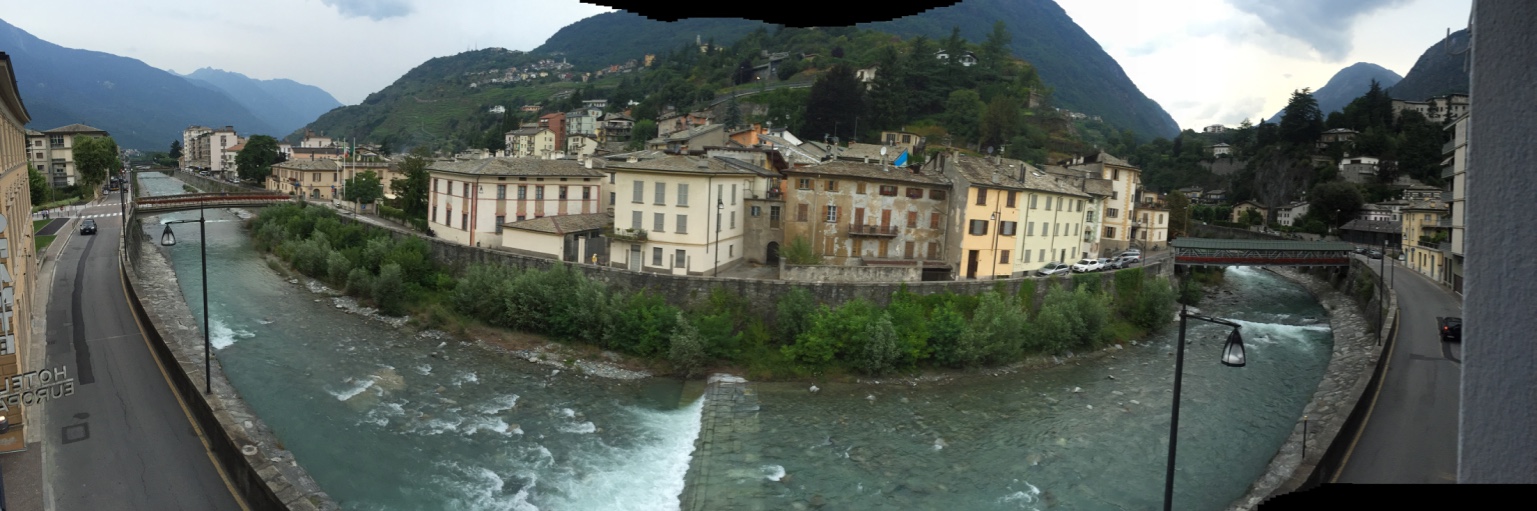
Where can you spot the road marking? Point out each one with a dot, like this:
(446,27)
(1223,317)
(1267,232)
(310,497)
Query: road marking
(1345,460)
(202,436)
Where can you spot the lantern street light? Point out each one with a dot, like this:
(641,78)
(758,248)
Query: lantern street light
(1232,355)
(168,238)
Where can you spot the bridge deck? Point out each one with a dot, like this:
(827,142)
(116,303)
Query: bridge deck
(1226,252)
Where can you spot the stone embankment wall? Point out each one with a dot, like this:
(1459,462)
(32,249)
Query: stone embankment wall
(1333,418)
(851,274)
(212,185)
(264,474)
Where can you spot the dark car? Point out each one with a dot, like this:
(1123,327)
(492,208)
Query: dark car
(1451,329)
(1360,250)
(1374,254)
(88,226)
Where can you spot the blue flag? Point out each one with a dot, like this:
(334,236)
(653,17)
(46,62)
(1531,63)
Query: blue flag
(901,160)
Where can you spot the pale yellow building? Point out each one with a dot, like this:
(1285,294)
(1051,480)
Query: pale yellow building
(993,218)
(533,142)
(1427,226)
(311,179)
(17,257)
(1054,219)
(53,152)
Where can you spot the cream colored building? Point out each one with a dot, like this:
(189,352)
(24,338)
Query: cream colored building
(1456,164)
(1005,208)
(531,143)
(681,214)
(1056,222)
(1426,224)
(17,257)
(470,201)
(53,152)
(311,179)
(1116,211)
(189,138)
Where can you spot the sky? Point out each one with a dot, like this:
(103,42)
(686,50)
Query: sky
(1205,61)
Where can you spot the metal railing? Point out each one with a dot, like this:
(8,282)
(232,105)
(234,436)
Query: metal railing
(872,230)
(626,234)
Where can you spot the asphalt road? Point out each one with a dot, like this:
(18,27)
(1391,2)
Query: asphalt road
(1411,435)
(122,441)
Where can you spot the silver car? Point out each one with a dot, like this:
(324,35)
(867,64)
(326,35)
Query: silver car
(1053,269)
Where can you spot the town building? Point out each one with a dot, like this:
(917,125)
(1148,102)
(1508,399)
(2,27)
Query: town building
(533,142)
(694,138)
(869,214)
(1439,109)
(995,224)
(1291,215)
(18,257)
(1242,209)
(682,214)
(556,123)
(189,138)
(470,201)
(1427,236)
(1220,149)
(1455,168)
(1359,169)
(310,179)
(52,152)
(1125,178)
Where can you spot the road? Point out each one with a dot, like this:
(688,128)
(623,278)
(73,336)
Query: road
(1411,435)
(122,441)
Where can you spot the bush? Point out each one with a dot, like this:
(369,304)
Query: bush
(908,316)
(1155,305)
(948,336)
(795,312)
(881,347)
(360,283)
(997,329)
(479,293)
(685,351)
(799,251)
(388,290)
(645,324)
(337,268)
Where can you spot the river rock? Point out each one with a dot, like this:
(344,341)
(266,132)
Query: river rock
(814,389)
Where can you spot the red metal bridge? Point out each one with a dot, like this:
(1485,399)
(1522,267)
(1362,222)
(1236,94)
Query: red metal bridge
(188,201)
(1224,252)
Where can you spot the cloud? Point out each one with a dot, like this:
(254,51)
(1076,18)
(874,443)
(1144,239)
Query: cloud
(376,9)
(1323,24)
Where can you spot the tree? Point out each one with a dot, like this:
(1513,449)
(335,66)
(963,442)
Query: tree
(1335,202)
(41,192)
(888,97)
(1279,175)
(95,157)
(254,161)
(411,188)
(645,129)
(175,149)
(685,350)
(733,117)
(384,146)
(1001,122)
(963,114)
(836,100)
(1179,214)
(363,188)
(1301,121)
(996,47)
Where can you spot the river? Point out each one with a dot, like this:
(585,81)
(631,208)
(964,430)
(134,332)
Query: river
(385,419)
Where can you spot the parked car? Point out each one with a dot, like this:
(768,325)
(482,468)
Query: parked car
(1052,269)
(1129,259)
(1451,329)
(1360,250)
(1132,251)
(1087,265)
(88,226)
(1374,254)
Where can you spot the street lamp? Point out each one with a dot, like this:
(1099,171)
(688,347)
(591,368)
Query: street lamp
(720,206)
(168,238)
(1232,355)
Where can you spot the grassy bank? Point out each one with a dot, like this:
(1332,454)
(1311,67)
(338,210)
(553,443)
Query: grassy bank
(798,339)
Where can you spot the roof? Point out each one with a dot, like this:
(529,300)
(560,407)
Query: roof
(75,128)
(524,132)
(1340,130)
(870,171)
(1386,226)
(34,133)
(1425,205)
(690,164)
(327,165)
(1007,173)
(318,150)
(1081,179)
(681,136)
(858,151)
(564,224)
(504,166)
(649,154)
(1300,246)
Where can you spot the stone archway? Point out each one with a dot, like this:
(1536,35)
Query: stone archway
(773,253)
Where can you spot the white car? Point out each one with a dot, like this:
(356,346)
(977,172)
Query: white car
(1087,265)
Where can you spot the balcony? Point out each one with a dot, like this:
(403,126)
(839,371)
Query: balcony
(1444,222)
(625,234)
(1445,247)
(885,231)
(1448,171)
(1447,196)
(1433,245)
(1449,147)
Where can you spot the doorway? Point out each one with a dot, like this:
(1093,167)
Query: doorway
(773,253)
(971,264)
(634,258)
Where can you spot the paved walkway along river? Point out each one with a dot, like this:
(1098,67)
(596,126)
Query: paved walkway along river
(385,418)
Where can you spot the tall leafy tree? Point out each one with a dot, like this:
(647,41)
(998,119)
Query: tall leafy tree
(95,157)
(1301,121)
(41,192)
(995,49)
(175,149)
(363,188)
(888,96)
(733,114)
(963,115)
(254,161)
(411,188)
(1336,202)
(836,100)
(1001,121)
(645,129)
(1179,214)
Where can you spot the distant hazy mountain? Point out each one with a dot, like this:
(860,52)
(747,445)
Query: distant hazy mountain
(1439,71)
(140,106)
(1083,76)
(286,105)
(1347,85)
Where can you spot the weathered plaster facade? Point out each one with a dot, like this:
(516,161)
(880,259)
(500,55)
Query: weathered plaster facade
(857,213)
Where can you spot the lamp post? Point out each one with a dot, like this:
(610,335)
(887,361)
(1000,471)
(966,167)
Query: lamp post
(720,206)
(1232,355)
(168,238)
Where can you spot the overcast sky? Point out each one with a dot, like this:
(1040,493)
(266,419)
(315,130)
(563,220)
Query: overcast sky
(1204,61)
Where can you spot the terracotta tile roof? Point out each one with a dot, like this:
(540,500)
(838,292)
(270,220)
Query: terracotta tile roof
(564,224)
(515,167)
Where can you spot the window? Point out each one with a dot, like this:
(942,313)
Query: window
(978,227)
(981,197)
(1056,229)
(803,183)
(859,188)
(522,192)
(1112,213)
(889,190)
(935,219)
(661,193)
(732,225)
(635,220)
(1027,256)
(733,195)
(656,221)
(682,194)
(731,250)
(315,176)
(682,224)
(800,212)
(1114,194)
(464,220)
(933,250)
(434,213)
(656,256)
(1030,229)
(522,217)
(539,192)
(1060,203)
(937,194)
(832,186)
(1115,175)
(502,219)
(912,219)
(755,211)
(1007,228)
(832,214)
(1110,232)
(1009,203)
(680,259)
(1080,205)
(501,191)
(1032,200)
(774,216)
(612,198)
(640,190)
(915,193)
(586,193)
(1003,257)
(1042,255)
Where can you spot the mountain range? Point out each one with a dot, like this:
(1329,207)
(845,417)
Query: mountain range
(1439,71)
(1347,85)
(141,106)
(285,104)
